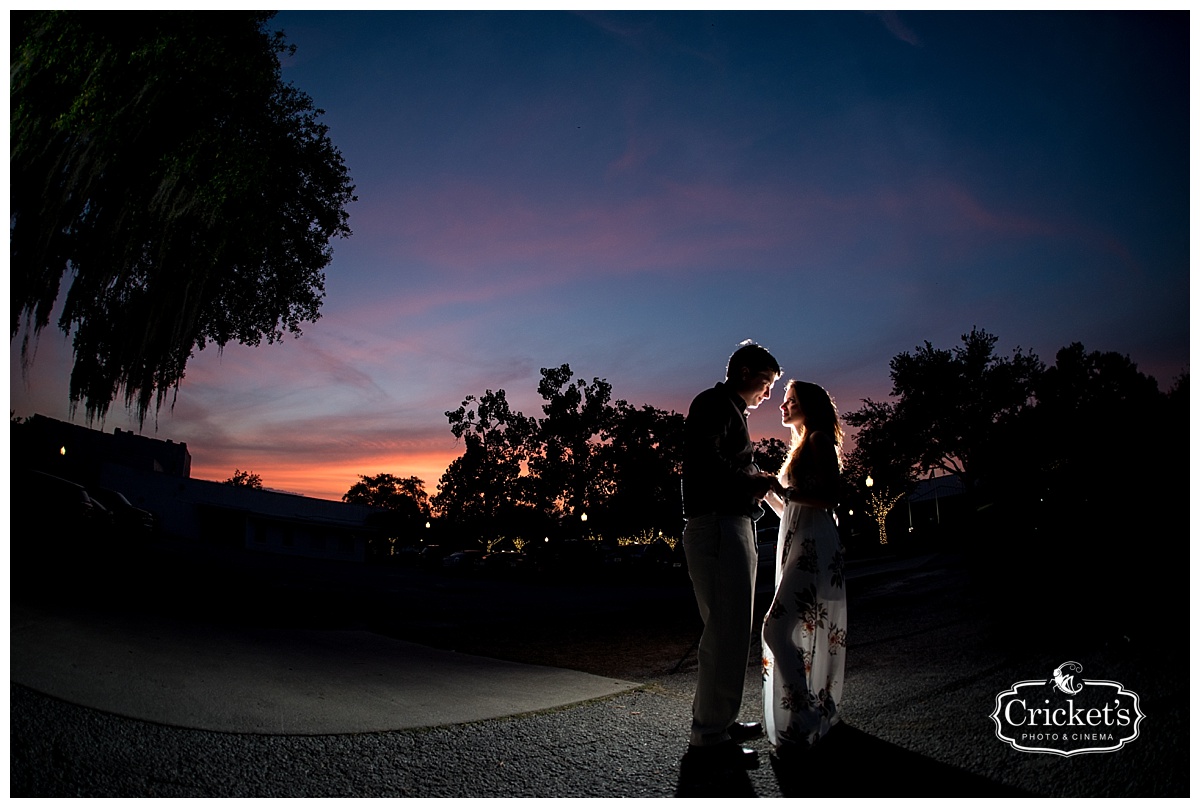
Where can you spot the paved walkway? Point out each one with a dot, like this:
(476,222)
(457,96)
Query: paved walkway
(275,681)
(923,671)
(281,681)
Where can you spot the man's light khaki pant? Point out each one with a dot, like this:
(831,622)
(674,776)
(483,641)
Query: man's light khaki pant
(722,558)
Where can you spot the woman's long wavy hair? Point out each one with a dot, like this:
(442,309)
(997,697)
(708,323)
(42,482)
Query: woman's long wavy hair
(820,415)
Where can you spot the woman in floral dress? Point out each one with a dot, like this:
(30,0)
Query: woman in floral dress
(804,634)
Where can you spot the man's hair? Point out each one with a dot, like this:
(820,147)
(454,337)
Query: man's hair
(754,357)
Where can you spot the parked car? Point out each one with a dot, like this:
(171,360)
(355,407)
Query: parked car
(640,558)
(408,555)
(127,519)
(51,516)
(432,555)
(573,556)
(462,561)
(503,562)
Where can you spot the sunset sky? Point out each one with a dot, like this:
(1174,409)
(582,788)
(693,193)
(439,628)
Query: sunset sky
(635,193)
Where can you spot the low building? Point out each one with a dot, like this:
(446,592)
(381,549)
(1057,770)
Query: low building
(156,475)
(935,502)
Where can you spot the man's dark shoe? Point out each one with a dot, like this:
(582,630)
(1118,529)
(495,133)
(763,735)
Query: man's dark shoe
(745,731)
(729,754)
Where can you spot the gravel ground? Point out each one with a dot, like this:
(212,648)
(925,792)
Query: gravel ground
(925,662)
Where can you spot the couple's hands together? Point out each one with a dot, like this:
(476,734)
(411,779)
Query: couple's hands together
(768,484)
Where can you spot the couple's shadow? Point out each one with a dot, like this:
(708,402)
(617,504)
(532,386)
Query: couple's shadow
(847,763)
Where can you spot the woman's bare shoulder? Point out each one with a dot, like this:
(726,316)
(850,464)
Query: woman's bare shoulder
(821,440)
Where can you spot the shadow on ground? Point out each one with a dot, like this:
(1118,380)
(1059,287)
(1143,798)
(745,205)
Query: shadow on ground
(698,780)
(848,763)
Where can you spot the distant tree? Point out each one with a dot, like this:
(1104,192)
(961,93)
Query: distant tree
(484,488)
(1097,472)
(405,510)
(886,455)
(1084,391)
(244,479)
(948,405)
(641,457)
(388,491)
(879,504)
(615,462)
(770,454)
(564,451)
(876,459)
(188,194)
(1093,411)
(883,449)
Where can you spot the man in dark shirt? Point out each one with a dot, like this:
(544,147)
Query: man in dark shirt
(722,495)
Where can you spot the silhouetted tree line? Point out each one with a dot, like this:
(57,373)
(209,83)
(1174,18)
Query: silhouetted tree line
(532,477)
(1087,431)
(1058,460)
(1076,474)
(537,476)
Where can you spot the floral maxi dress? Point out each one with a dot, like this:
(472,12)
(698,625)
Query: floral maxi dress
(804,633)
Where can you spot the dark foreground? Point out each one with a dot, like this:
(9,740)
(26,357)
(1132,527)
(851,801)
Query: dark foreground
(929,651)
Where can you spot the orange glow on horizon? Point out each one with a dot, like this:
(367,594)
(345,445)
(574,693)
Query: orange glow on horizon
(331,480)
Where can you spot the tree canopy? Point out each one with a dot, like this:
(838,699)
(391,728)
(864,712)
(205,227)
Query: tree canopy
(245,479)
(770,454)
(485,483)
(1040,448)
(948,403)
(181,191)
(391,492)
(616,462)
(564,455)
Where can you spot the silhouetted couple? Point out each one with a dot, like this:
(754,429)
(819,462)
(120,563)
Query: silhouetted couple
(804,632)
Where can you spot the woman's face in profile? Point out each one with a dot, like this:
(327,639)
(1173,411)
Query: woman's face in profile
(790,410)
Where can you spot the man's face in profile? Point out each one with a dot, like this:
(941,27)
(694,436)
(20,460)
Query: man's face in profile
(756,387)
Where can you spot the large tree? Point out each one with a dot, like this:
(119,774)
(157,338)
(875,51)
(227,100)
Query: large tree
(483,491)
(564,457)
(948,403)
(405,509)
(883,448)
(615,462)
(1087,436)
(770,454)
(948,408)
(391,492)
(184,194)
(642,458)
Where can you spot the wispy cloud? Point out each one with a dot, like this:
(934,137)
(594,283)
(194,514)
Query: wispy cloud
(480,230)
(503,241)
(896,26)
(646,34)
(320,454)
